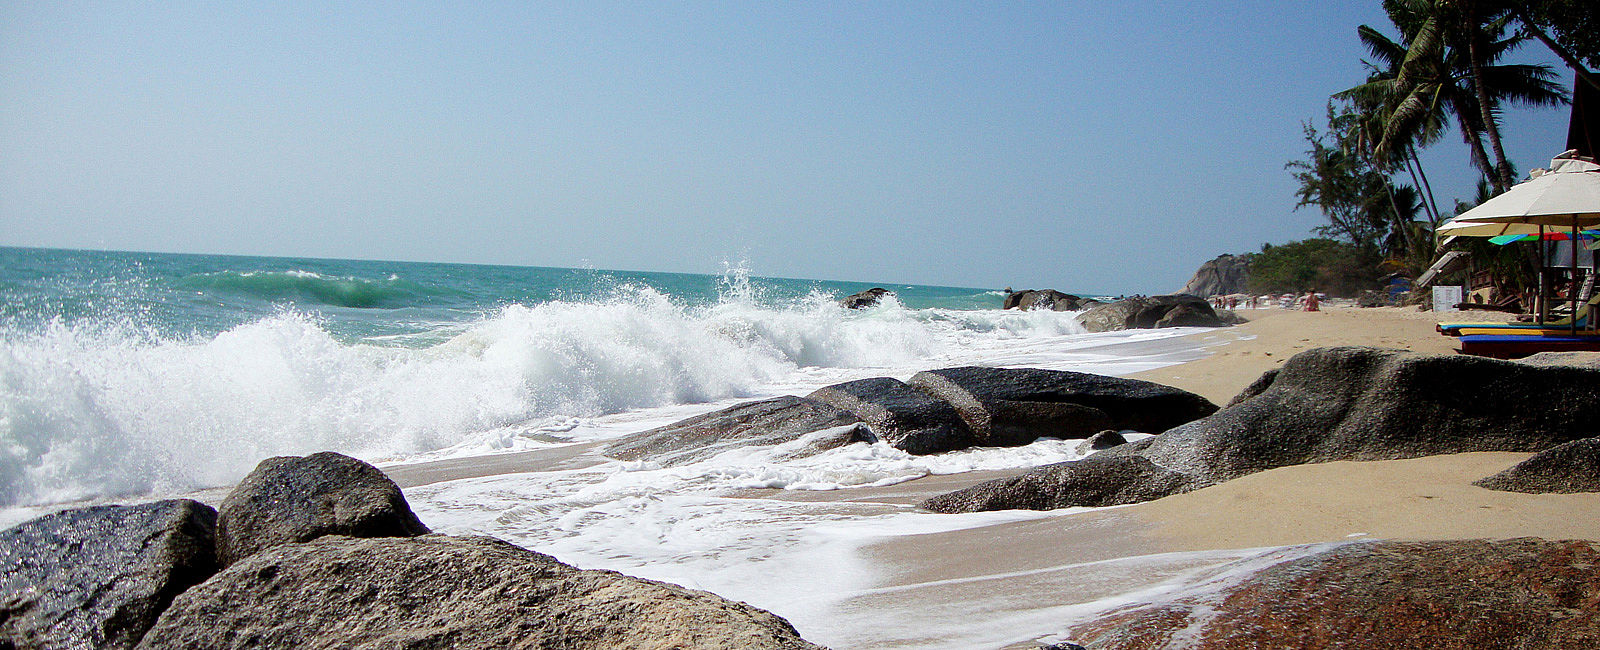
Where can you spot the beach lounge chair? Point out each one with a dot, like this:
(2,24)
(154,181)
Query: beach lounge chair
(1510,346)
(1582,316)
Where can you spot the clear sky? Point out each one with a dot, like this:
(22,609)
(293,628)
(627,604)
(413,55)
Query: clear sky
(1097,146)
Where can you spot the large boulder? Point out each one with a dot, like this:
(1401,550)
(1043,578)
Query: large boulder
(901,415)
(1355,403)
(767,422)
(1097,481)
(1015,406)
(864,299)
(1358,403)
(293,499)
(1150,312)
(98,577)
(1450,595)
(449,592)
(1227,274)
(1564,469)
(1042,299)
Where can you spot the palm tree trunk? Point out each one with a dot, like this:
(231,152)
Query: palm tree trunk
(1471,30)
(1427,189)
(1474,138)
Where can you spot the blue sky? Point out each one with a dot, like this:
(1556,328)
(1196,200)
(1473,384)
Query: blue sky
(1090,146)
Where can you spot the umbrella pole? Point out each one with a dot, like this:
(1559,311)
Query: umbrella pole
(1572,286)
(1543,310)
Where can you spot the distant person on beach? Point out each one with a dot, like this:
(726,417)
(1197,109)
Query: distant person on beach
(1311,300)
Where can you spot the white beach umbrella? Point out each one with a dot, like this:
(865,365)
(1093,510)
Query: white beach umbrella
(1566,197)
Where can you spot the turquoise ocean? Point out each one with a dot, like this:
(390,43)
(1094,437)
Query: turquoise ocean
(128,377)
(145,373)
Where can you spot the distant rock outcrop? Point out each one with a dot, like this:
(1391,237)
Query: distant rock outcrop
(1151,312)
(1518,593)
(1044,299)
(292,499)
(1332,404)
(864,299)
(436,591)
(1227,274)
(1564,469)
(98,577)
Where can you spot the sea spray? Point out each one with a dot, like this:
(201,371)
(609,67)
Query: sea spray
(108,407)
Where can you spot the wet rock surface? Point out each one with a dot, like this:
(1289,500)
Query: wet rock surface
(436,591)
(864,299)
(1043,299)
(766,422)
(1015,406)
(1564,469)
(1097,481)
(98,577)
(291,499)
(1101,441)
(907,418)
(1469,594)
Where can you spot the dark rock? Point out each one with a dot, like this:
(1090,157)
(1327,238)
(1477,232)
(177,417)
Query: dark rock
(767,422)
(292,499)
(1580,359)
(863,299)
(1102,441)
(1564,469)
(1352,403)
(1149,312)
(1227,274)
(1005,406)
(1099,480)
(1356,403)
(1063,646)
(449,592)
(1042,299)
(98,577)
(900,415)
(1451,595)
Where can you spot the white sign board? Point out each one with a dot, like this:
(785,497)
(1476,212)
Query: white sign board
(1446,298)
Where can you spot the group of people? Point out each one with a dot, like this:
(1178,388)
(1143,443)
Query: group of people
(1309,301)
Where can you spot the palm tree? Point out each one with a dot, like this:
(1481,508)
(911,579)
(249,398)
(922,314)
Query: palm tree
(1450,66)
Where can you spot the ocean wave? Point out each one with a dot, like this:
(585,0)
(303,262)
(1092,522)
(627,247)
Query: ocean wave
(312,289)
(97,409)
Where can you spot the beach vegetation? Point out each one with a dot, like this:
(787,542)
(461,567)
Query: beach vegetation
(1331,266)
(1440,65)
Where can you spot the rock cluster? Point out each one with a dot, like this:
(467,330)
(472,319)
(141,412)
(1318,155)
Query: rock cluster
(1151,312)
(1467,594)
(935,411)
(323,551)
(1323,405)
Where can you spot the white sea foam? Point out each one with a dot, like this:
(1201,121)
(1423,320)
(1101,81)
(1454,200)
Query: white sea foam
(109,409)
